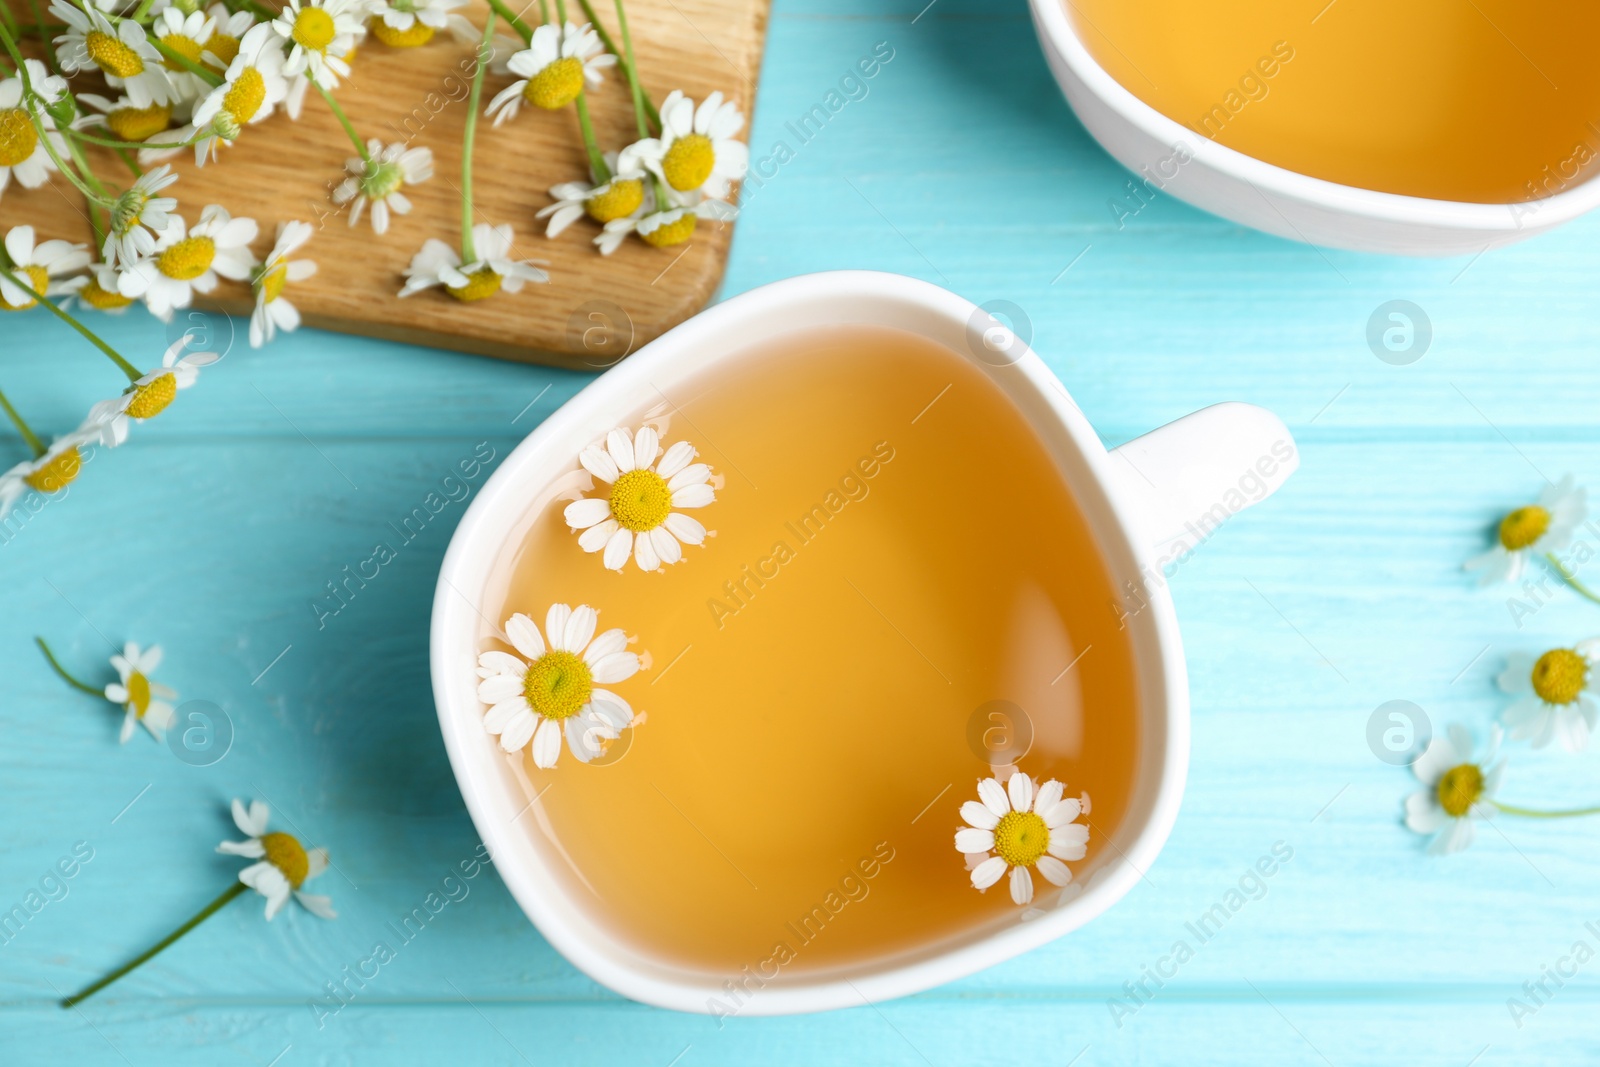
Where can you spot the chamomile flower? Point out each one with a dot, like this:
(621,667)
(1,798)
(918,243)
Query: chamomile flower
(663,226)
(273,311)
(100,291)
(409,23)
(138,216)
(622,196)
(186,35)
(48,268)
(251,88)
(229,29)
(146,398)
(285,864)
(1533,530)
(379,180)
(144,701)
(49,473)
(22,154)
(1017,828)
(552,70)
(126,122)
(121,52)
(439,264)
(552,692)
(1458,789)
(1557,695)
(696,151)
(643,513)
(185,262)
(319,35)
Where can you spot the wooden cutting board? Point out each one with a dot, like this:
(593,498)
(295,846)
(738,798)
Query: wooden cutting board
(595,309)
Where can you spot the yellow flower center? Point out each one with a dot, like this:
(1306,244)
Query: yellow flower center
(188,259)
(687,164)
(417,34)
(38,280)
(112,56)
(138,693)
(58,473)
(288,855)
(640,500)
(1020,838)
(481,283)
(557,85)
(1559,676)
(225,46)
(105,300)
(152,398)
(272,282)
(187,47)
(673,233)
(139,123)
(1523,527)
(18,138)
(313,29)
(245,96)
(558,685)
(1460,788)
(617,200)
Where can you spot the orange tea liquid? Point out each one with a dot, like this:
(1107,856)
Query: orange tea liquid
(1490,101)
(893,553)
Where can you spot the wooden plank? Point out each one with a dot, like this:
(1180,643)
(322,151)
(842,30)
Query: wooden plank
(284,170)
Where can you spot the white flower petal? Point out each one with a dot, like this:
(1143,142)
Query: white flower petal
(580,628)
(993,795)
(685,528)
(620,445)
(618,549)
(974,840)
(617,667)
(582,514)
(979,816)
(598,462)
(547,744)
(1020,789)
(1021,885)
(679,456)
(988,872)
(1055,872)
(523,633)
(595,537)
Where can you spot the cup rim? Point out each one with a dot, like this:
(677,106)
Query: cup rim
(1161,679)
(1059,34)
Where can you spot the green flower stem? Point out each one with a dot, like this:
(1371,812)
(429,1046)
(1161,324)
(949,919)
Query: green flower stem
(133,373)
(642,107)
(112,142)
(142,10)
(1512,809)
(50,59)
(1570,578)
(469,248)
(62,671)
(206,74)
(261,12)
(544,12)
(523,29)
(338,113)
(597,161)
(23,428)
(204,913)
(9,20)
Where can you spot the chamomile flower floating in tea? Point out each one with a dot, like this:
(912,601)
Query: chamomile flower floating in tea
(552,693)
(1540,529)
(142,699)
(483,272)
(1017,828)
(552,70)
(186,261)
(283,865)
(1557,695)
(696,151)
(1457,789)
(44,268)
(122,52)
(642,514)
(138,217)
(273,310)
(378,179)
(23,153)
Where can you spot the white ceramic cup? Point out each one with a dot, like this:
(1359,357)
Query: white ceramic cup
(1279,201)
(1151,499)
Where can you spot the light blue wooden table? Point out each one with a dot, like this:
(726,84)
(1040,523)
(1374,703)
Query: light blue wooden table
(216,530)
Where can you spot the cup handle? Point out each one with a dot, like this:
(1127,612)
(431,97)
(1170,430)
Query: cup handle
(1188,477)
